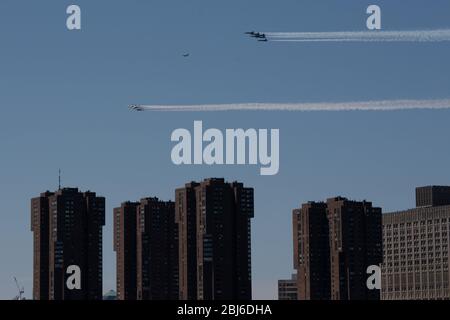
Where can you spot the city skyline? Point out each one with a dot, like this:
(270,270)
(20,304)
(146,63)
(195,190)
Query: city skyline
(196,248)
(311,225)
(66,96)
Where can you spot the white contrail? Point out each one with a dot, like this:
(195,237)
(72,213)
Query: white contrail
(383,105)
(437,35)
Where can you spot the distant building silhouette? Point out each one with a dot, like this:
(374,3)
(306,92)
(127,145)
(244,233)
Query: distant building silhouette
(334,243)
(67,228)
(215,246)
(287,289)
(416,248)
(146,245)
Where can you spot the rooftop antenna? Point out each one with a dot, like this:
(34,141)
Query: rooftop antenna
(59,179)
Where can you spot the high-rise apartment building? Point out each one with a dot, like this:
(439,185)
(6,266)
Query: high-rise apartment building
(355,244)
(146,245)
(40,227)
(416,248)
(157,250)
(186,218)
(214,222)
(312,251)
(67,228)
(125,238)
(334,244)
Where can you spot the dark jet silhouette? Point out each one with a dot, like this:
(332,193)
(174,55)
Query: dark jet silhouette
(257,35)
(134,107)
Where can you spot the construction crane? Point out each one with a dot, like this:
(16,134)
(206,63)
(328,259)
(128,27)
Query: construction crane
(21,291)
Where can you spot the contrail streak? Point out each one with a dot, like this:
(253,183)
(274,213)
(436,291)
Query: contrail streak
(383,105)
(437,35)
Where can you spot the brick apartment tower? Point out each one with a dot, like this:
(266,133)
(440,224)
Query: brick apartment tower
(125,237)
(186,218)
(215,245)
(353,240)
(157,250)
(146,245)
(67,229)
(355,244)
(312,251)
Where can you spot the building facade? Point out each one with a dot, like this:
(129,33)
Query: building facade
(125,239)
(355,244)
(157,250)
(67,226)
(334,244)
(287,289)
(214,222)
(432,196)
(146,245)
(186,218)
(312,251)
(416,248)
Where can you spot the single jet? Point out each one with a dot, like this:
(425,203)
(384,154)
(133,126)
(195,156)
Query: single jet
(186,55)
(134,107)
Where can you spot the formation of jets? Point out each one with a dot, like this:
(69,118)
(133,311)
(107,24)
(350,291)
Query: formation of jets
(258,35)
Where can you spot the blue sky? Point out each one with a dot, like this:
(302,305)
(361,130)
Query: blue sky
(64,98)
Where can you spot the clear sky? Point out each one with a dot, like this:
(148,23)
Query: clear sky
(64,98)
